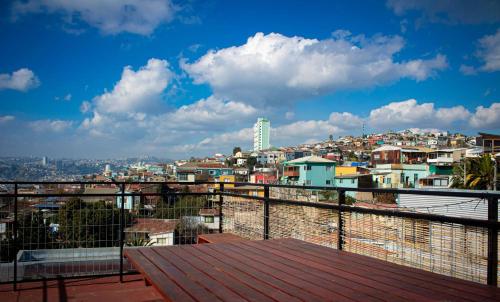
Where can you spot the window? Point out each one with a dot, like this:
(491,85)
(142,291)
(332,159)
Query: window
(340,180)
(183,177)
(308,182)
(388,180)
(328,182)
(353,180)
(209,219)
(309,167)
(211,172)
(161,241)
(328,168)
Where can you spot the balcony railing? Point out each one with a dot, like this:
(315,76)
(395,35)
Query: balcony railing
(80,234)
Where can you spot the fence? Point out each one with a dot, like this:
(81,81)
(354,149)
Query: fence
(84,232)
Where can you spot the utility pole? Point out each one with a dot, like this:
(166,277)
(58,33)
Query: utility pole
(465,171)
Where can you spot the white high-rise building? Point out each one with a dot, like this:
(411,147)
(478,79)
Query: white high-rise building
(261,133)
(44,161)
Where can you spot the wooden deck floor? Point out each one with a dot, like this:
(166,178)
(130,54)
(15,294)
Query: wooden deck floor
(291,270)
(90,289)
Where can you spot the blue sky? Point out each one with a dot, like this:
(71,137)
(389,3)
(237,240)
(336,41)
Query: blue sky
(174,79)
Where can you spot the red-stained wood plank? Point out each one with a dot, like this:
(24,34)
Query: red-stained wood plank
(310,287)
(234,284)
(237,271)
(411,275)
(344,260)
(352,272)
(217,238)
(166,287)
(266,261)
(200,276)
(366,284)
(356,288)
(194,289)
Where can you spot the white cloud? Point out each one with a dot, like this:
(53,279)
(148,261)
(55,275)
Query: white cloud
(275,69)
(139,90)
(449,11)
(22,80)
(410,113)
(109,16)
(67,97)
(345,120)
(6,118)
(211,111)
(489,52)
(486,117)
(50,125)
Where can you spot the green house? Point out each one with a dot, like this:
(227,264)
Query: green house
(310,171)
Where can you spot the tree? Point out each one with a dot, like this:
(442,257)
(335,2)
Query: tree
(83,224)
(184,206)
(236,150)
(331,137)
(479,174)
(251,162)
(187,231)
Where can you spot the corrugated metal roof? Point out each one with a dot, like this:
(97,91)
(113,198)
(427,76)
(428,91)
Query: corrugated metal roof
(467,207)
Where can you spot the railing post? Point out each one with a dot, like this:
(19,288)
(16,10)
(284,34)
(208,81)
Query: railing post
(221,202)
(266,212)
(340,226)
(492,242)
(122,234)
(16,247)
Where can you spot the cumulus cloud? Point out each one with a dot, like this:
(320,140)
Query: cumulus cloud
(274,68)
(410,113)
(22,80)
(136,90)
(449,12)
(345,120)
(50,125)
(6,118)
(211,111)
(486,117)
(85,107)
(109,16)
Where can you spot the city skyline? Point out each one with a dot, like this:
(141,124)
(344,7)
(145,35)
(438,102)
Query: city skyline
(83,81)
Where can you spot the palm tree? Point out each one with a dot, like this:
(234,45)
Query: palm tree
(479,175)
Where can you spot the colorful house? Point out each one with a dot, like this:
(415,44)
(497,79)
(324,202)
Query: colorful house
(399,175)
(310,171)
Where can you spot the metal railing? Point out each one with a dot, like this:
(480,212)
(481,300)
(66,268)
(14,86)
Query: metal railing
(392,234)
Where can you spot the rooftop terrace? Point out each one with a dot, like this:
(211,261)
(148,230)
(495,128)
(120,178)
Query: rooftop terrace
(94,236)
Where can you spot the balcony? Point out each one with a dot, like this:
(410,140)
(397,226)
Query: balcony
(96,235)
(292,172)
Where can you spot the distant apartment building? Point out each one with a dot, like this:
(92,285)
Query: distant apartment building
(201,171)
(490,143)
(261,134)
(397,155)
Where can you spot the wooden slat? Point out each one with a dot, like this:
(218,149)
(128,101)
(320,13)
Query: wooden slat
(166,287)
(291,270)
(345,260)
(198,275)
(217,238)
(238,271)
(439,282)
(352,273)
(199,260)
(357,286)
(307,286)
(327,282)
(194,289)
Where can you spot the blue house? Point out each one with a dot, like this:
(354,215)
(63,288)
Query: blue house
(310,171)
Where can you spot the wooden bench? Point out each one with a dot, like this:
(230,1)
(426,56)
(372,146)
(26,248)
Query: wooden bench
(218,238)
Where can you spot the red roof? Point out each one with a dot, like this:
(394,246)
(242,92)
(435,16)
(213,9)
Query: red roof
(152,226)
